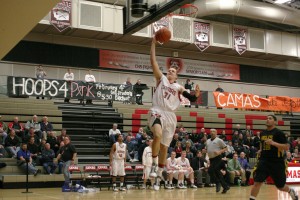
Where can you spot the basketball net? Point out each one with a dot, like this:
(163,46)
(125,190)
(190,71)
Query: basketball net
(176,20)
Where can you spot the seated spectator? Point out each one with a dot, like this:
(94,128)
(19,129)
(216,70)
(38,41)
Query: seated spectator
(139,134)
(31,134)
(250,150)
(235,136)
(185,140)
(245,166)
(237,128)
(34,151)
(23,157)
(202,143)
(53,141)
(18,127)
(2,151)
(62,135)
(175,140)
(296,153)
(46,127)
(171,169)
(42,145)
(190,150)
(237,147)
(3,131)
(234,168)
(184,167)
(89,78)
(112,133)
(12,144)
(289,156)
(142,139)
(202,134)
(178,149)
(47,159)
(248,130)
(200,167)
(223,136)
(179,127)
(194,136)
(182,133)
(132,153)
(35,125)
(230,150)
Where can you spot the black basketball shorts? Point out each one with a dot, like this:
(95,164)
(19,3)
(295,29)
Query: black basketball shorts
(276,169)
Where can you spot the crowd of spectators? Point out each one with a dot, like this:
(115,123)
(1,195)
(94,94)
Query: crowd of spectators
(34,142)
(242,144)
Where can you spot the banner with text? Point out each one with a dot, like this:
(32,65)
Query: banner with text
(141,62)
(252,101)
(24,86)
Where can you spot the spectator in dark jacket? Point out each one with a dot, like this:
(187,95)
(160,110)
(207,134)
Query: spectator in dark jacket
(200,167)
(12,144)
(47,158)
(18,127)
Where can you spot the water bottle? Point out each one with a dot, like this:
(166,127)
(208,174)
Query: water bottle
(239,182)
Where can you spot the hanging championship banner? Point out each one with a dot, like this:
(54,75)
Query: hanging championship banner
(240,39)
(61,15)
(163,22)
(201,35)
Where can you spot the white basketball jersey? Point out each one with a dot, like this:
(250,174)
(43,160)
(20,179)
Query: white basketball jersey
(171,164)
(167,95)
(120,152)
(147,156)
(183,163)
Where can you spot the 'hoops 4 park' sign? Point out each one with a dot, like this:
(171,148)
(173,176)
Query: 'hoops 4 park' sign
(24,86)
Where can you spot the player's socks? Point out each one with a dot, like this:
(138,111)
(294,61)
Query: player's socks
(252,198)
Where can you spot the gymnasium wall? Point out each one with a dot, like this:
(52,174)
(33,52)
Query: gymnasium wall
(55,58)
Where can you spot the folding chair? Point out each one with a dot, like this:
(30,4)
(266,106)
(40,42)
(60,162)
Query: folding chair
(75,171)
(130,176)
(91,175)
(139,169)
(104,171)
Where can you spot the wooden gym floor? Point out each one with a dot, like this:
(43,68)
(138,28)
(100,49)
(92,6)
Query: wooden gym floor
(268,192)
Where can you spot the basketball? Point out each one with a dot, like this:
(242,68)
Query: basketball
(163,35)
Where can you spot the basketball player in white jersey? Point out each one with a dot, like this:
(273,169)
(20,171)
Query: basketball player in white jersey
(147,162)
(184,166)
(117,158)
(162,119)
(171,169)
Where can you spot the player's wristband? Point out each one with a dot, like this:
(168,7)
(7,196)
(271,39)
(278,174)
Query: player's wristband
(190,97)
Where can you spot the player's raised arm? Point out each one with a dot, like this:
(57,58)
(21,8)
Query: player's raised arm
(157,73)
(190,97)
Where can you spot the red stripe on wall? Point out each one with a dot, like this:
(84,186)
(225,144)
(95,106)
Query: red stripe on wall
(220,115)
(228,126)
(141,111)
(260,117)
(193,114)
(280,123)
(178,118)
(136,122)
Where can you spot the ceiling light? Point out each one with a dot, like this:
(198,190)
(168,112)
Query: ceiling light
(281,1)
